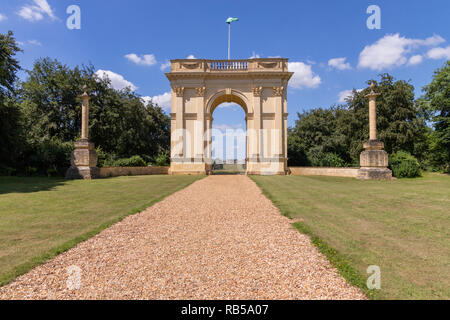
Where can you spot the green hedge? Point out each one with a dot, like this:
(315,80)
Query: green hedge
(325,159)
(134,161)
(404,165)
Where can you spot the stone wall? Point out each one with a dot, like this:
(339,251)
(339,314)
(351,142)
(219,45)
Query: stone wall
(324,171)
(106,172)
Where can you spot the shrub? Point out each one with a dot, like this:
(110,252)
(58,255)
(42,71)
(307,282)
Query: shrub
(404,165)
(162,159)
(134,161)
(325,159)
(7,171)
(52,172)
(31,171)
(107,160)
(51,153)
(333,160)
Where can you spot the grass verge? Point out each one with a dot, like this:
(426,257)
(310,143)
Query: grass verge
(43,217)
(401,226)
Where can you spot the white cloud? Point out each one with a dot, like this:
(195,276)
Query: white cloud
(34,42)
(339,63)
(2,17)
(254,55)
(118,82)
(439,53)
(415,60)
(165,65)
(191,56)
(392,51)
(431,41)
(162,100)
(343,95)
(303,76)
(36,12)
(145,59)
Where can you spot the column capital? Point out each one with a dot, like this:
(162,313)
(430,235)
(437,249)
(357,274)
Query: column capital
(278,91)
(179,91)
(257,91)
(200,91)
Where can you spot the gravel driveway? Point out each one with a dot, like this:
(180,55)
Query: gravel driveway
(219,238)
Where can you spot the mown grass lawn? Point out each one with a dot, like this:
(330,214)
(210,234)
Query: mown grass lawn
(41,217)
(402,226)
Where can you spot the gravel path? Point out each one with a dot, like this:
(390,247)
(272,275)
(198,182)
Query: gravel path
(219,238)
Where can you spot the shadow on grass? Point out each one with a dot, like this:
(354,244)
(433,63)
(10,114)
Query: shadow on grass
(28,184)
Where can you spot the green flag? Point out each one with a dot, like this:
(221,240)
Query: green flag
(230,20)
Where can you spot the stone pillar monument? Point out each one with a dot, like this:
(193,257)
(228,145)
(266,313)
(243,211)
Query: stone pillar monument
(84,158)
(374,160)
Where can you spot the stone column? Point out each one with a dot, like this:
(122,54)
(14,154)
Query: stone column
(85,115)
(199,143)
(179,102)
(278,92)
(84,158)
(372,113)
(373,160)
(256,149)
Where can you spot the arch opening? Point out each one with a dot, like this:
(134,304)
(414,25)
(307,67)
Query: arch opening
(229,137)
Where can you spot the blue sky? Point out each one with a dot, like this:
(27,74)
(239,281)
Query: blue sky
(133,40)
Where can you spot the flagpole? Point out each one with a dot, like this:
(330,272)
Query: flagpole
(229,21)
(229,36)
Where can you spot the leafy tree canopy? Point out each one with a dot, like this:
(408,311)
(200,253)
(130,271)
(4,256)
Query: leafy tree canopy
(436,101)
(10,116)
(342,130)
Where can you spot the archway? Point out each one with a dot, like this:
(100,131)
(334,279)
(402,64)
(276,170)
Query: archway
(257,85)
(229,139)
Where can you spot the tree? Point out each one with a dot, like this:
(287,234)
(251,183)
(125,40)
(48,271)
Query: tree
(120,124)
(437,101)
(315,134)
(8,63)
(10,116)
(399,122)
(342,130)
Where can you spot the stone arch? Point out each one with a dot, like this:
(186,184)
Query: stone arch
(222,96)
(257,85)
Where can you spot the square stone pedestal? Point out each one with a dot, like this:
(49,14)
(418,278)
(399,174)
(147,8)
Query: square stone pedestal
(83,161)
(374,162)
